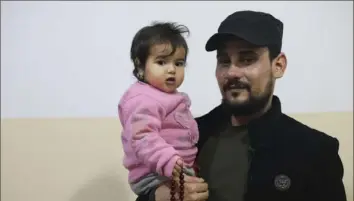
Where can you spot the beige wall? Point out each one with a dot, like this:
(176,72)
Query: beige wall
(80,159)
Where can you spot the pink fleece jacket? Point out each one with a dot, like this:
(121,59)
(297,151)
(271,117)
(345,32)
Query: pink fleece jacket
(158,128)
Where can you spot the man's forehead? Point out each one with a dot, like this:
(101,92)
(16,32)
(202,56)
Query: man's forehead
(237,46)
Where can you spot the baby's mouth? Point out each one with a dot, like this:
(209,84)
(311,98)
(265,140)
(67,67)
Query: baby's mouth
(170,80)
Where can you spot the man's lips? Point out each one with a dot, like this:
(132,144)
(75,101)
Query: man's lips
(235,87)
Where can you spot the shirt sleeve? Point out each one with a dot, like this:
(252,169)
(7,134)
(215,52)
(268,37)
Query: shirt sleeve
(144,117)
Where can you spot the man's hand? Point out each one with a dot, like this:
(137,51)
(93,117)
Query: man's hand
(195,189)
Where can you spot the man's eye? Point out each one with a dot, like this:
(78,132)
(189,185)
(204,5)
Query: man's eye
(247,61)
(224,62)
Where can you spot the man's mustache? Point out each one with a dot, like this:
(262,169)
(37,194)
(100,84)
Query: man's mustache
(235,84)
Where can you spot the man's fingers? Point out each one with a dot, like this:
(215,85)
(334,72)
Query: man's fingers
(196,188)
(162,193)
(196,196)
(191,179)
(187,179)
(194,191)
(202,196)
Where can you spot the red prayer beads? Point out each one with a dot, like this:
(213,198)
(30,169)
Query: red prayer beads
(174,188)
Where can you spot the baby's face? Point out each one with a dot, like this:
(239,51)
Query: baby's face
(164,70)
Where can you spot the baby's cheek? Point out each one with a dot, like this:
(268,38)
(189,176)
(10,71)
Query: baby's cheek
(179,81)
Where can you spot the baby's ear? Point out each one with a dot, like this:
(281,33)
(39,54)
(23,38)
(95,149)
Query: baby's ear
(137,62)
(140,74)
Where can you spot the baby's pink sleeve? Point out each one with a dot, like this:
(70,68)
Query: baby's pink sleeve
(143,123)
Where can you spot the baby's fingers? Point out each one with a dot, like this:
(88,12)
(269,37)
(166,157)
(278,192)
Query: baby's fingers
(176,172)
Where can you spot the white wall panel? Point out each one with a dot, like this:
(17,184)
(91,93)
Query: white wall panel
(71,59)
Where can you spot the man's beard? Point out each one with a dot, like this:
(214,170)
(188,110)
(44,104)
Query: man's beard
(253,105)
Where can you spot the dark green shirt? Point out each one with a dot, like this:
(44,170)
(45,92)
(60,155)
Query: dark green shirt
(223,161)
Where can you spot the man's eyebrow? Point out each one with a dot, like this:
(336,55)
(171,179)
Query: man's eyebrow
(248,52)
(242,52)
(221,54)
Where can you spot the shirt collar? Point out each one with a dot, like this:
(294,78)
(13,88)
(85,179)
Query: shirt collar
(261,130)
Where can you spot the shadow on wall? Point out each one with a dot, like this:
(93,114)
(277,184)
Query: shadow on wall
(106,187)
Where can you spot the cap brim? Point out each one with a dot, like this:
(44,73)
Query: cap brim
(218,39)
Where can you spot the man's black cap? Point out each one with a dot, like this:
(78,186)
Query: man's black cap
(258,28)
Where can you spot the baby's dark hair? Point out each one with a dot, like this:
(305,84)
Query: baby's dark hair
(155,34)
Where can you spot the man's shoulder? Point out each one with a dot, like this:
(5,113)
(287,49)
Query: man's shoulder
(297,133)
(209,118)
(306,136)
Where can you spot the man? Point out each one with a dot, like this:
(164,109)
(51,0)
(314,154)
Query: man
(248,149)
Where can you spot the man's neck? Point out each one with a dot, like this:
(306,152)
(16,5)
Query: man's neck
(243,120)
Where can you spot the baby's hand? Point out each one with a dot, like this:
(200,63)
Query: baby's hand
(177,169)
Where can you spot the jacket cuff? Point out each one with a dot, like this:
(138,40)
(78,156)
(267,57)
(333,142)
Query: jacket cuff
(152,194)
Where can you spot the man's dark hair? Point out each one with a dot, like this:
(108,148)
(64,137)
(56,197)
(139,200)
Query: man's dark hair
(155,34)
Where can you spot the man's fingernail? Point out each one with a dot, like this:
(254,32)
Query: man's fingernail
(200,180)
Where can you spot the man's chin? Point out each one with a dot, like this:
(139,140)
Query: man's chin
(243,106)
(236,103)
(240,108)
(237,99)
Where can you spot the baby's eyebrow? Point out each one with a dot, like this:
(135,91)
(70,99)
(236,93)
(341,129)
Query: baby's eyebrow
(162,56)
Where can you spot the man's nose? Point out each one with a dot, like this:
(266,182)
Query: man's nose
(235,71)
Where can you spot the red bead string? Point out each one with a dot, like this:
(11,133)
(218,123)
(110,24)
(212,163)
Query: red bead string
(174,187)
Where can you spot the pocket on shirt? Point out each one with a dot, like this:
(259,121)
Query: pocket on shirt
(187,121)
(183,119)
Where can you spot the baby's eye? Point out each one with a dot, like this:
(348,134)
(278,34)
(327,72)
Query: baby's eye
(180,63)
(161,62)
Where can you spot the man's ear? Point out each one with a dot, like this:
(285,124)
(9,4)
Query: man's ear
(279,66)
